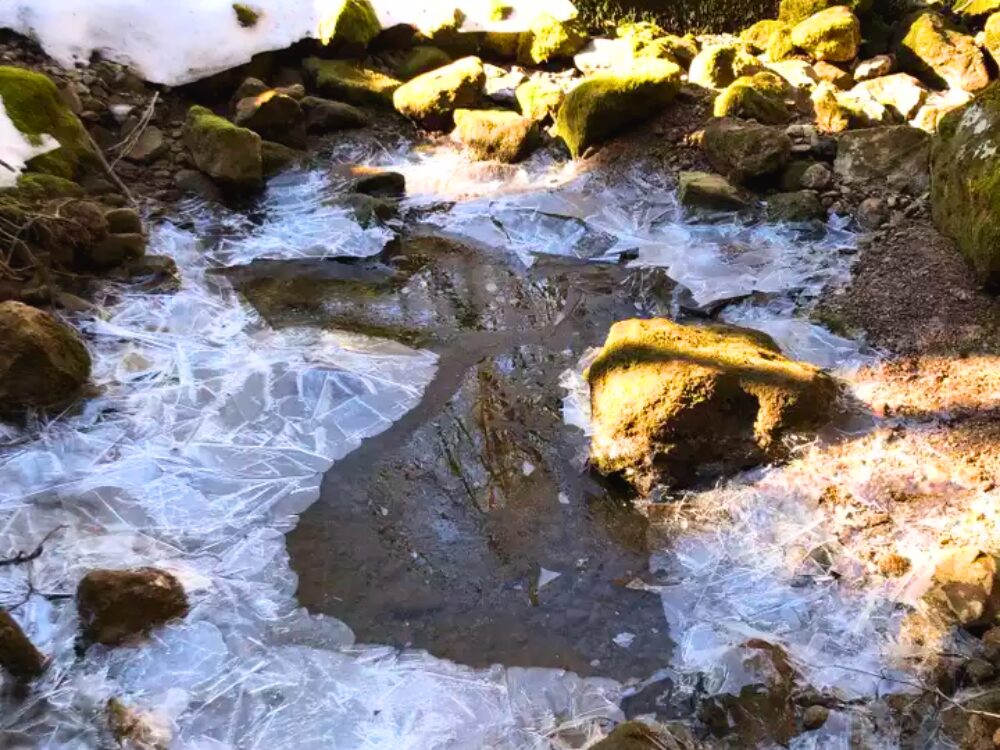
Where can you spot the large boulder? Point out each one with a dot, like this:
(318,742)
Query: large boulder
(744,151)
(549,38)
(431,99)
(833,34)
(669,401)
(759,97)
(352,83)
(965,182)
(539,98)
(42,361)
(897,156)
(608,103)
(18,654)
(495,135)
(228,154)
(274,117)
(718,66)
(352,22)
(118,605)
(934,49)
(705,192)
(33,104)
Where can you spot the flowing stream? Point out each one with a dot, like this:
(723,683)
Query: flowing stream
(212,430)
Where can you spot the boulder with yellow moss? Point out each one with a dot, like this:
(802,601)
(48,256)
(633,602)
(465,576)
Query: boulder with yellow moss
(833,34)
(759,97)
(431,98)
(353,22)
(495,135)
(549,38)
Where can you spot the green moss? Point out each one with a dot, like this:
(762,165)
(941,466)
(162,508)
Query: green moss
(429,99)
(759,97)
(758,36)
(794,11)
(991,32)
(225,152)
(32,103)
(550,39)
(42,187)
(348,82)
(539,98)
(935,50)
(640,33)
(500,11)
(495,135)
(352,22)
(421,59)
(246,16)
(607,103)
(718,66)
(833,34)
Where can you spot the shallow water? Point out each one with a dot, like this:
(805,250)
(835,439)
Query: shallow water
(215,426)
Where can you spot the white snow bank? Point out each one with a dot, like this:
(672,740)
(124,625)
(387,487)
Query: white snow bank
(16,150)
(184,40)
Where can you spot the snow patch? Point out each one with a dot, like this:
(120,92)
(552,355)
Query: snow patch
(16,149)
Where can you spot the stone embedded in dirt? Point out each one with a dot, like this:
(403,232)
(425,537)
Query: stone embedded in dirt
(815,177)
(896,156)
(900,93)
(797,206)
(18,654)
(42,361)
(549,39)
(744,151)
(965,589)
(274,117)
(606,104)
(149,147)
(117,605)
(325,115)
(965,183)
(539,98)
(669,401)
(495,135)
(718,66)
(875,67)
(704,191)
(349,82)
(935,50)
(814,717)
(759,97)
(228,154)
(873,212)
(833,34)
(431,99)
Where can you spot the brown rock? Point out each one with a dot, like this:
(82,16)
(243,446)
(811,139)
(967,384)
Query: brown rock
(18,654)
(274,117)
(124,221)
(965,589)
(117,605)
(115,249)
(150,146)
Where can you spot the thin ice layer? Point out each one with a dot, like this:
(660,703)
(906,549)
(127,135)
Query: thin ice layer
(211,432)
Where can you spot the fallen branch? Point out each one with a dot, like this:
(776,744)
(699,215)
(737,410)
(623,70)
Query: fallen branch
(23,557)
(110,172)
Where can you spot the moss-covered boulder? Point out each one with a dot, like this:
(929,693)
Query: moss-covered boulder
(793,11)
(419,60)
(669,400)
(495,135)
(548,39)
(705,192)
(34,107)
(431,98)
(539,98)
(965,182)
(608,103)
(32,186)
(991,35)
(348,82)
(274,117)
(352,22)
(796,206)
(833,34)
(43,363)
(500,45)
(325,115)
(116,606)
(648,39)
(769,37)
(745,151)
(718,66)
(229,154)
(897,156)
(759,97)
(936,51)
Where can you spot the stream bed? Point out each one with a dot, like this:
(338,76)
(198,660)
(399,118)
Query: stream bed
(363,452)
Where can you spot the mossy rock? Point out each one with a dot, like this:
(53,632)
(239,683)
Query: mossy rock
(501,45)
(325,116)
(759,97)
(43,362)
(607,103)
(548,39)
(246,16)
(717,67)
(794,11)
(833,34)
(274,117)
(668,400)
(746,151)
(991,35)
(352,22)
(976,8)
(797,206)
(33,104)
(965,182)
(276,157)
(495,135)
(43,187)
(348,82)
(421,59)
(936,51)
(758,36)
(650,40)
(700,192)
(431,98)
(500,11)
(228,154)
(539,98)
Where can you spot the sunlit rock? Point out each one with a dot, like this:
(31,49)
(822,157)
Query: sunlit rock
(495,135)
(759,97)
(226,153)
(351,21)
(539,98)
(718,66)
(550,38)
(746,150)
(348,82)
(670,401)
(897,156)
(935,50)
(706,192)
(793,11)
(274,117)
(431,99)
(965,588)
(833,34)
(118,605)
(901,93)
